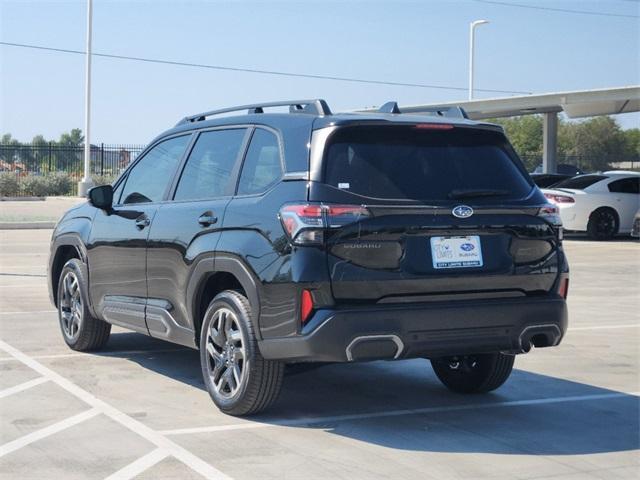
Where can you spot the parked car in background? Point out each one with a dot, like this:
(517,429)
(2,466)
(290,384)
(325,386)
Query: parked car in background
(546,180)
(602,204)
(563,169)
(635,231)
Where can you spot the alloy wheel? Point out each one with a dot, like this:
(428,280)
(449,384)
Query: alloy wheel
(226,353)
(71,307)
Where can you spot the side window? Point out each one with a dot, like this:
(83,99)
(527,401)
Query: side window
(118,191)
(207,173)
(262,165)
(148,179)
(626,185)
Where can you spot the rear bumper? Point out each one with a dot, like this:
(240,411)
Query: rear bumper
(424,330)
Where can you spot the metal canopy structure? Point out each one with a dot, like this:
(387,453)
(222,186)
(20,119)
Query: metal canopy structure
(576,104)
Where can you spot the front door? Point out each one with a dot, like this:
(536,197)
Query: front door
(117,245)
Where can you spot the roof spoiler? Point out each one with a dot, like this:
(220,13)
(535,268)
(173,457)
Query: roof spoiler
(452,112)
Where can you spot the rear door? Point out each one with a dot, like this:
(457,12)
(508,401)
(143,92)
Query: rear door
(186,230)
(449,211)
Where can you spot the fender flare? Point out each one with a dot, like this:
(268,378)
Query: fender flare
(68,240)
(210,265)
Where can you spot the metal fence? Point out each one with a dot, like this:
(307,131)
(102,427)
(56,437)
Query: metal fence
(586,163)
(27,161)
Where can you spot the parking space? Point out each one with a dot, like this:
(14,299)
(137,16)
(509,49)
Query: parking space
(139,408)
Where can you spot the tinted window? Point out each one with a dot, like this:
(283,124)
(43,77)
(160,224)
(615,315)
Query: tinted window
(207,173)
(148,179)
(626,185)
(580,182)
(262,166)
(410,162)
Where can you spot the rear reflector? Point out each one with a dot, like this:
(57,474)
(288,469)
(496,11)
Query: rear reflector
(563,291)
(306,306)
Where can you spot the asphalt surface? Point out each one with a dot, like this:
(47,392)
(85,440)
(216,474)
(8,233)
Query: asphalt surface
(139,408)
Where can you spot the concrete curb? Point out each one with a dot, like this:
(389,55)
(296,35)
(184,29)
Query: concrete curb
(27,225)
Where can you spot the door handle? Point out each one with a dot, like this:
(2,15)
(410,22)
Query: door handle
(142,221)
(207,219)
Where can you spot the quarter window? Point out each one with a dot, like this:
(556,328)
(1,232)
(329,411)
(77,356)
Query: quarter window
(148,179)
(207,173)
(262,165)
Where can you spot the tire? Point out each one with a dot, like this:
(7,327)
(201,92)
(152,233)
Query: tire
(238,379)
(80,330)
(479,373)
(603,224)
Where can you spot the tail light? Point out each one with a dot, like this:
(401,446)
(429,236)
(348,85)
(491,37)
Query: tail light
(551,213)
(554,198)
(305,224)
(306,305)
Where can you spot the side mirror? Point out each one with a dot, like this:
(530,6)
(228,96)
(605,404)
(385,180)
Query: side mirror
(101,197)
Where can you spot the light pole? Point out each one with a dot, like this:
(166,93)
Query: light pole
(472,29)
(86,182)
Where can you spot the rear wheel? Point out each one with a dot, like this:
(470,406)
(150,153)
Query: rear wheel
(603,224)
(238,379)
(80,330)
(479,373)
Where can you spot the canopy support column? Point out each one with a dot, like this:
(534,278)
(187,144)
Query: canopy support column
(550,143)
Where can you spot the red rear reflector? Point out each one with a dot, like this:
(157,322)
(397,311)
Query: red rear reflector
(434,126)
(564,288)
(306,305)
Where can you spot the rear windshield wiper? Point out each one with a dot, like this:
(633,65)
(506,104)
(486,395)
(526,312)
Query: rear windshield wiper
(477,192)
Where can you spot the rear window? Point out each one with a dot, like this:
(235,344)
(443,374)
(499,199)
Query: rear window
(413,163)
(580,182)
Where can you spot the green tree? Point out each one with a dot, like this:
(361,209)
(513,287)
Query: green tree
(595,142)
(525,134)
(72,138)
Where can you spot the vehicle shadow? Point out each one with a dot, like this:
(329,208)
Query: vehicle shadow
(402,405)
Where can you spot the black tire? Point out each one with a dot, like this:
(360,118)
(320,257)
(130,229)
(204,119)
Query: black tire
(479,373)
(603,224)
(80,330)
(229,351)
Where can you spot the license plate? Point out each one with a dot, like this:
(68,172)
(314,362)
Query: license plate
(456,252)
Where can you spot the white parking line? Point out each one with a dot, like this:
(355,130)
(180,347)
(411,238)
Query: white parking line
(603,327)
(185,456)
(28,312)
(140,465)
(22,387)
(30,285)
(47,431)
(394,413)
(99,355)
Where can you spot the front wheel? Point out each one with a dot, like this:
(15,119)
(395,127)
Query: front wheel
(238,379)
(80,330)
(479,373)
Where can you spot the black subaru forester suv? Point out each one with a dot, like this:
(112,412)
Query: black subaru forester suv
(265,239)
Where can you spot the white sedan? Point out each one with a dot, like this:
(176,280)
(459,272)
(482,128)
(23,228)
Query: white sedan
(602,204)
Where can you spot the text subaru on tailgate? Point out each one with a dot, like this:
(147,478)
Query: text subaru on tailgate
(274,238)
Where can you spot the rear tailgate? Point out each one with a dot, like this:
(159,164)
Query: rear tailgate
(410,246)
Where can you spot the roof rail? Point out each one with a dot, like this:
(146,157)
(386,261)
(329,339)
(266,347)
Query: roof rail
(314,107)
(454,112)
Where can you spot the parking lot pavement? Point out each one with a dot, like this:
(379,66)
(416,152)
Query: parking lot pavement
(139,408)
